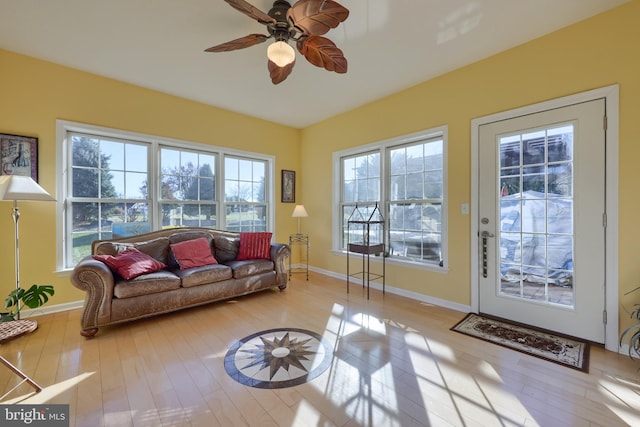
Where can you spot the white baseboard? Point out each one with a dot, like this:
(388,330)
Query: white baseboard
(402,292)
(298,266)
(26,313)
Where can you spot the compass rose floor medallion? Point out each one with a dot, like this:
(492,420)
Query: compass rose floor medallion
(278,358)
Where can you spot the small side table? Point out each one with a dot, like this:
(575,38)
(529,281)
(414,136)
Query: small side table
(302,242)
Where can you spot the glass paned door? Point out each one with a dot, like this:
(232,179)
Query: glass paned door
(541,208)
(535,189)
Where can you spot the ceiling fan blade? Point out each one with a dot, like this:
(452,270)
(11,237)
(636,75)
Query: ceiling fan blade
(279,74)
(241,43)
(317,17)
(251,11)
(323,53)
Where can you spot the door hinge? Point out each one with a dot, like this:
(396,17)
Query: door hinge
(604,123)
(604,317)
(604,220)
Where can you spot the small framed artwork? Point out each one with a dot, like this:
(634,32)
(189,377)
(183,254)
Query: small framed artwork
(288,186)
(19,155)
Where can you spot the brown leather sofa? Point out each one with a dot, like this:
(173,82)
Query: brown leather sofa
(111,299)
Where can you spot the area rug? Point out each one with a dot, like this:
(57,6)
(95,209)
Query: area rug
(567,351)
(278,358)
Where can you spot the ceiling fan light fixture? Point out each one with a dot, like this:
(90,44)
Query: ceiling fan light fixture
(303,24)
(281,53)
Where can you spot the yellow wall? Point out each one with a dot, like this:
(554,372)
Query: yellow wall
(594,53)
(34,93)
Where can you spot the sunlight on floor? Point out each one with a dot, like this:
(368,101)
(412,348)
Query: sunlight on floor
(48,393)
(364,385)
(393,374)
(618,393)
(307,414)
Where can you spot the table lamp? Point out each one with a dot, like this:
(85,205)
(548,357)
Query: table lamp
(299,212)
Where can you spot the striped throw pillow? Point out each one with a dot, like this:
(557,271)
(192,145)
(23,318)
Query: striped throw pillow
(254,245)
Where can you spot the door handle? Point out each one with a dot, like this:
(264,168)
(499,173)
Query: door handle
(485,235)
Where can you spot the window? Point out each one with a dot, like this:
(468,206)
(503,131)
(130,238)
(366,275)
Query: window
(409,185)
(115,183)
(360,187)
(108,190)
(244,196)
(415,199)
(187,188)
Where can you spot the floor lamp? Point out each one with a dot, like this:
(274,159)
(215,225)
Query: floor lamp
(15,188)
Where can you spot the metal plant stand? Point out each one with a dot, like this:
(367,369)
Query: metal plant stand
(370,231)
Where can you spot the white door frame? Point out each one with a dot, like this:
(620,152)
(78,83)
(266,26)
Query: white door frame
(611,96)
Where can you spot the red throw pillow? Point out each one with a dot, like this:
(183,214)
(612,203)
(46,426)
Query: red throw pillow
(193,253)
(131,263)
(254,245)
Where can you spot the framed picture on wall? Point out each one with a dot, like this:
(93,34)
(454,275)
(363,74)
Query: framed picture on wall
(19,155)
(288,186)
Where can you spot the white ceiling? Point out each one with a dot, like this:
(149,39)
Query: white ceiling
(390,45)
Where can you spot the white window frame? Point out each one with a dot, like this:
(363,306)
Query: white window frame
(63,168)
(225,204)
(161,202)
(382,147)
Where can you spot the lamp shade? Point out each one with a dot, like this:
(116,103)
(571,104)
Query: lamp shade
(299,212)
(281,53)
(18,187)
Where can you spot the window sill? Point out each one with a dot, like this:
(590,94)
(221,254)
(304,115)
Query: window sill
(64,273)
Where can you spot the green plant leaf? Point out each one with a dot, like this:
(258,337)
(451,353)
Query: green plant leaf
(634,345)
(7,317)
(36,295)
(13,298)
(634,340)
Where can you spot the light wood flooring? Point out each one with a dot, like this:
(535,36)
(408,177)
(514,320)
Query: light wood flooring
(396,363)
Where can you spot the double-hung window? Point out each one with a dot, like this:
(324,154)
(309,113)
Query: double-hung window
(406,178)
(245,194)
(187,188)
(107,190)
(114,183)
(361,187)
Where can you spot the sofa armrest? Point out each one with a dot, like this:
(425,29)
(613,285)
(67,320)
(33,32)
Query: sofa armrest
(279,254)
(96,279)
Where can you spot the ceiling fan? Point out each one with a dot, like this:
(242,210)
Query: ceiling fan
(304,23)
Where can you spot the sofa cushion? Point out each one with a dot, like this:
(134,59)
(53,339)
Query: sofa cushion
(226,248)
(145,284)
(156,248)
(252,267)
(111,248)
(131,263)
(193,253)
(181,236)
(254,245)
(206,274)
